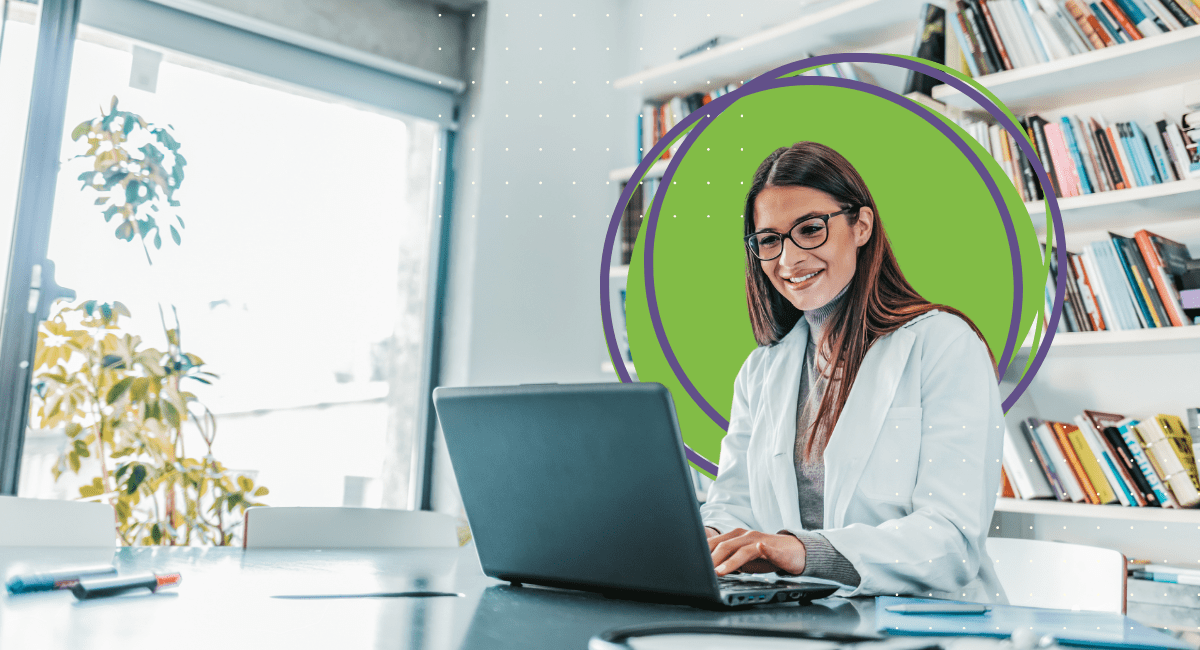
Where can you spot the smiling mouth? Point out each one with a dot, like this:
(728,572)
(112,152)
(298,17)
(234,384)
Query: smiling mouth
(804,278)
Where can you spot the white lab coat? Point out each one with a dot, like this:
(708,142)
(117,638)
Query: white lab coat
(911,470)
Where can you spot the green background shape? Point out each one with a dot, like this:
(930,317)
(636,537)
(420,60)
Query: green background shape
(943,224)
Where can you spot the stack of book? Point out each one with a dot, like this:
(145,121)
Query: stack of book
(1126,283)
(658,118)
(1089,155)
(988,36)
(631,218)
(1103,458)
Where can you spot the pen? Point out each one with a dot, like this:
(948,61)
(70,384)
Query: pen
(939,608)
(23,584)
(100,587)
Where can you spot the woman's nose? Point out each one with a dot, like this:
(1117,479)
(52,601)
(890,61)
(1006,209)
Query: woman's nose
(791,253)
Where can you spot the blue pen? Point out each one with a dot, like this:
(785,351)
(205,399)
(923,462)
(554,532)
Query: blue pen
(55,580)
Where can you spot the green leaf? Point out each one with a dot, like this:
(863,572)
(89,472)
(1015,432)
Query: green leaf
(112,210)
(180,219)
(175,235)
(74,429)
(261,492)
(100,200)
(157,241)
(106,311)
(156,533)
(119,389)
(112,362)
(133,192)
(80,130)
(171,412)
(136,476)
(73,461)
(125,231)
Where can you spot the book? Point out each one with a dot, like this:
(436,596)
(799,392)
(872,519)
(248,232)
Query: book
(1091,306)
(1036,40)
(1117,442)
(966,43)
(1126,24)
(1125,469)
(1159,438)
(929,44)
(1091,478)
(1109,22)
(978,30)
(1145,283)
(1055,435)
(1178,12)
(1064,168)
(1145,465)
(991,32)
(1088,24)
(1006,488)
(1068,133)
(1105,463)
(1108,156)
(1037,127)
(1144,23)
(1024,469)
(1181,443)
(1049,462)
(1164,259)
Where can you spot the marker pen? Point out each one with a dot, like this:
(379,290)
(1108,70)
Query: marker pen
(23,584)
(100,587)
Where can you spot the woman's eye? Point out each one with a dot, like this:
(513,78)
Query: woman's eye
(810,230)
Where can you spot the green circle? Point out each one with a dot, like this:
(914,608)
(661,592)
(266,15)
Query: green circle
(944,227)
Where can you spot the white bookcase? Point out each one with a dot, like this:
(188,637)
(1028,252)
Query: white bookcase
(1135,372)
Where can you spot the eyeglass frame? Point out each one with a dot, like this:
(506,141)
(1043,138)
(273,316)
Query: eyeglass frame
(788,235)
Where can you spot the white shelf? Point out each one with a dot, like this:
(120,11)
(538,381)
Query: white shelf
(1064,509)
(623,174)
(1159,340)
(1173,201)
(1117,70)
(836,26)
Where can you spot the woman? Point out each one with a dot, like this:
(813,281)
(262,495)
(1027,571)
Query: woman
(866,430)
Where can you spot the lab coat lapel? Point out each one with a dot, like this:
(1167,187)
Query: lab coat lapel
(858,427)
(784,390)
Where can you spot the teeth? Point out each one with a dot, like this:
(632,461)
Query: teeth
(802,278)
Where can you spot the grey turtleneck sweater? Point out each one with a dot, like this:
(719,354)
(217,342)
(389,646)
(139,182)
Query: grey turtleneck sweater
(822,560)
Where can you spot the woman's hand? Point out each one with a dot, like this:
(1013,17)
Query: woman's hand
(753,552)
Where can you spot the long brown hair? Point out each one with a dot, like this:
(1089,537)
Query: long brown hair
(878,301)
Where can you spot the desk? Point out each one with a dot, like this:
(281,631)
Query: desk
(225,602)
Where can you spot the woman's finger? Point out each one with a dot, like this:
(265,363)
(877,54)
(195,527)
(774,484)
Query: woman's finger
(742,556)
(727,548)
(713,541)
(783,558)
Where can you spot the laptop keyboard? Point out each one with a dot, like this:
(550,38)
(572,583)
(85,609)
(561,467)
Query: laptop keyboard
(727,583)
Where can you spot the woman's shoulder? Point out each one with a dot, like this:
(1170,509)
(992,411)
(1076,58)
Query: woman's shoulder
(937,323)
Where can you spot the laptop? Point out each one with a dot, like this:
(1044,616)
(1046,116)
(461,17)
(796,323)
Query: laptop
(586,486)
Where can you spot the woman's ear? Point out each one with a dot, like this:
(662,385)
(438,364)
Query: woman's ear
(864,226)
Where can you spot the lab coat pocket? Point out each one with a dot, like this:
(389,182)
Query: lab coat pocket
(891,471)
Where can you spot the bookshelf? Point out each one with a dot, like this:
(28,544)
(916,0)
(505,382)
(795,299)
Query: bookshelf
(1112,370)
(837,25)
(1123,69)
(1059,508)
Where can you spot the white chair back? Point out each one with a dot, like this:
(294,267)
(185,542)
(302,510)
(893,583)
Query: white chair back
(51,522)
(1037,573)
(283,527)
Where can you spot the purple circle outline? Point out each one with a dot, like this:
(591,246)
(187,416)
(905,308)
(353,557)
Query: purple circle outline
(769,81)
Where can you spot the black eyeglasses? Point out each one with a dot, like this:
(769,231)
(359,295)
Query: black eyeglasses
(808,234)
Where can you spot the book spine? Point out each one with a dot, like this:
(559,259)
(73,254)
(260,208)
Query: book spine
(978,29)
(1068,131)
(1087,24)
(1145,282)
(1173,156)
(1015,468)
(1059,433)
(1161,279)
(1110,23)
(1029,430)
(1141,145)
(1176,444)
(1090,159)
(1127,268)
(1126,24)
(1119,152)
(1032,190)
(1144,24)
(1037,125)
(1112,320)
(1072,308)
(1100,137)
(1103,491)
(1116,277)
(1179,13)
(1152,14)
(1040,50)
(994,33)
(1166,463)
(1089,295)
(1064,167)
(1107,472)
(1144,466)
(1129,465)
(966,43)
(1166,170)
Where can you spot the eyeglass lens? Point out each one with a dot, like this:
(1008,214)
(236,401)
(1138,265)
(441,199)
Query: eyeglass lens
(807,234)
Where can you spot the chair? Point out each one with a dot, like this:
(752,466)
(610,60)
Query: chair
(284,527)
(51,522)
(1036,573)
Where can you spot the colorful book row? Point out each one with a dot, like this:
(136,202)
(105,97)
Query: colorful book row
(1086,156)
(988,36)
(1103,458)
(1125,283)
